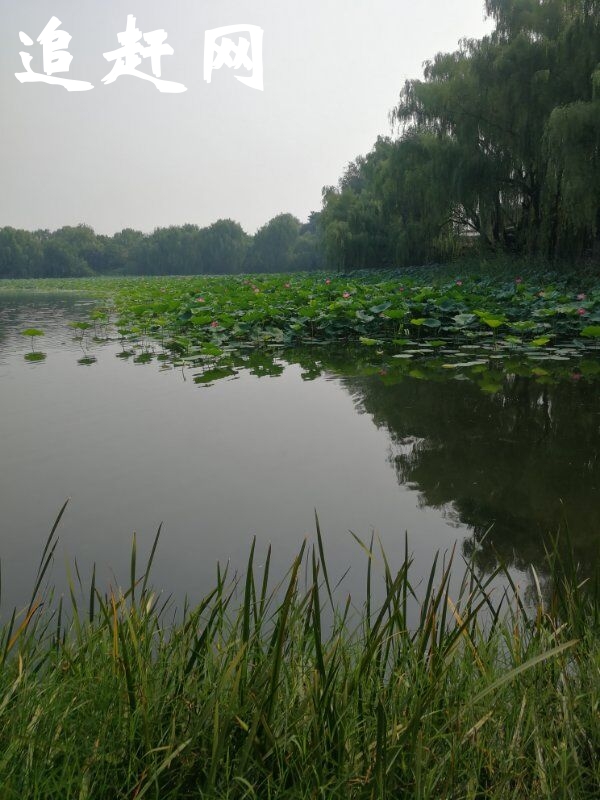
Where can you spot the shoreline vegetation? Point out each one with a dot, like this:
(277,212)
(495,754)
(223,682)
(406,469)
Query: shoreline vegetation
(285,690)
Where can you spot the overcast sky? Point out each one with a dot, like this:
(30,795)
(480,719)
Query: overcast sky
(126,155)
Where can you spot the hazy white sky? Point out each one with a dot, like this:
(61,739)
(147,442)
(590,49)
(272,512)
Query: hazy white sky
(126,155)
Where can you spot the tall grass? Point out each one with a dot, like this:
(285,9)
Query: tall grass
(278,691)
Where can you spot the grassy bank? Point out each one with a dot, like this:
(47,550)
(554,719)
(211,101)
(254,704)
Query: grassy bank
(282,692)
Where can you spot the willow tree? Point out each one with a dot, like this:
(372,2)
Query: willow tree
(520,109)
(387,208)
(272,247)
(355,235)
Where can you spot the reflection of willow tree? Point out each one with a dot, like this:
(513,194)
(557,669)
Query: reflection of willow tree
(524,460)
(515,459)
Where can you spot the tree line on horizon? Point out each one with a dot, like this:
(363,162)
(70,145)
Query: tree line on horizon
(283,244)
(496,149)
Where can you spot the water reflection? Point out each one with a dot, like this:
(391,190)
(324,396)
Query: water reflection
(506,448)
(51,313)
(494,454)
(514,466)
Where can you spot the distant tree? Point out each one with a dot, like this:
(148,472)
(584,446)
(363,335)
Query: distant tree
(125,252)
(224,245)
(172,251)
(20,254)
(307,254)
(83,244)
(61,260)
(272,248)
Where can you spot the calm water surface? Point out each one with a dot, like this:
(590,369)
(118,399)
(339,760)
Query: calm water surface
(134,445)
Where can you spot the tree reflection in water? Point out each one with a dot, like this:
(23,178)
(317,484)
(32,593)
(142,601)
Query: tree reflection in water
(518,464)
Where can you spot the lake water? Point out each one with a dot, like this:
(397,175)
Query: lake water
(134,445)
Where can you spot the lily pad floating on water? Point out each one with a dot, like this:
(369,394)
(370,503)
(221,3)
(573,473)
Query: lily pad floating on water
(414,352)
(462,364)
(591,331)
(462,320)
(87,361)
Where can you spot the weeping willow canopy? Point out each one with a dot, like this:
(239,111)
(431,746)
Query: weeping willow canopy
(499,142)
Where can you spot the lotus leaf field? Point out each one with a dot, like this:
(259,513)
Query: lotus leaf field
(418,323)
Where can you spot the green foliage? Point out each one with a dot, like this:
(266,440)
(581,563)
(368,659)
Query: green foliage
(228,314)
(32,332)
(499,144)
(591,331)
(223,325)
(274,689)
(20,254)
(272,248)
(224,247)
(221,248)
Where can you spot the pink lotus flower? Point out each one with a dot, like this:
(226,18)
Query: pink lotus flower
(401,289)
(287,286)
(346,295)
(581,311)
(576,376)
(383,372)
(581,296)
(214,324)
(200,300)
(518,280)
(459,283)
